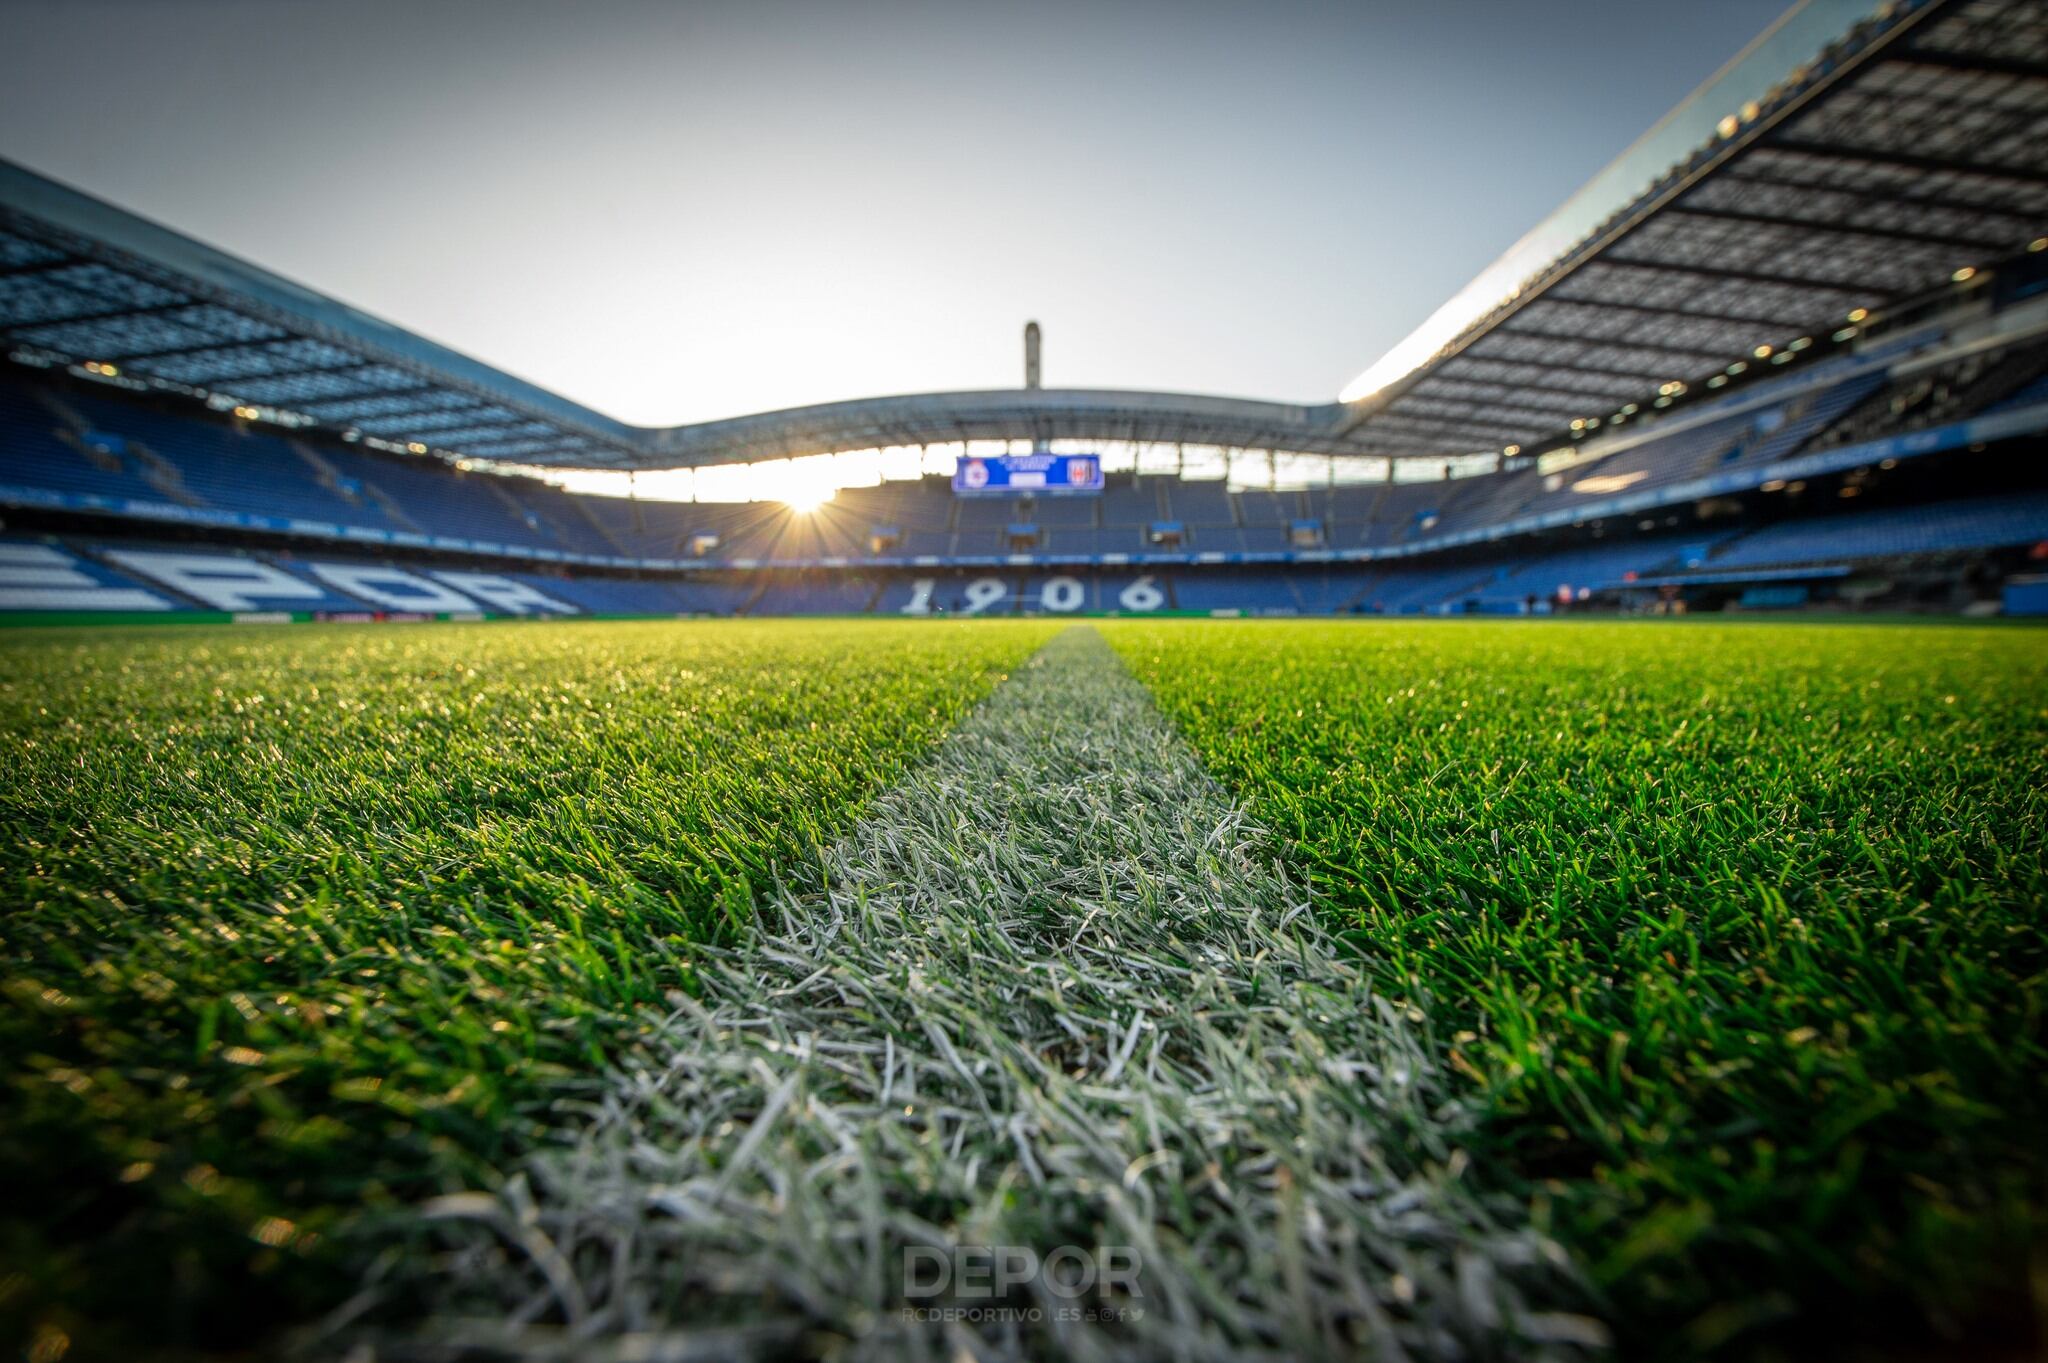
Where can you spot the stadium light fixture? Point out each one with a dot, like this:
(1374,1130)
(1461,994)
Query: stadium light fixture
(1858,314)
(1964,275)
(1762,352)
(416,447)
(2038,244)
(1718,381)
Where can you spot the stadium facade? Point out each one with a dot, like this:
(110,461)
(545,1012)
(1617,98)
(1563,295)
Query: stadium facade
(1791,348)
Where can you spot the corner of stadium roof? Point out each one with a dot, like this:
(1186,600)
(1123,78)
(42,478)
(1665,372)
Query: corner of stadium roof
(1856,157)
(82,281)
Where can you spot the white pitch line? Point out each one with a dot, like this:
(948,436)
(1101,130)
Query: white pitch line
(1054,991)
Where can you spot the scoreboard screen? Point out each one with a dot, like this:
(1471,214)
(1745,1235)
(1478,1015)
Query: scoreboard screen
(1035,475)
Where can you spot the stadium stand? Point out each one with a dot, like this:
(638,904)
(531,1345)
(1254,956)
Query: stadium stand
(1897,449)
(108,451)
(1991,381)
(1748,289)
(1199,503)
(1959,526)
(223,466)
(42,450)
(431,498)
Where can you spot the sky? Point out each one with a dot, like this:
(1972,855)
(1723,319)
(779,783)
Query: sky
(674,212)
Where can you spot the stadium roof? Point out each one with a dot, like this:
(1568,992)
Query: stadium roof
(1803,183)
(90,282)
(1791,190)
(1012,414)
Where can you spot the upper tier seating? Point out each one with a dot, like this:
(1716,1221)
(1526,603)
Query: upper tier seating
(230,468)
(34,452)
(439,500)
(1963,524)
(1199,503)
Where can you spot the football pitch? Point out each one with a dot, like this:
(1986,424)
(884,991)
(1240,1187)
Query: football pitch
(1480,986)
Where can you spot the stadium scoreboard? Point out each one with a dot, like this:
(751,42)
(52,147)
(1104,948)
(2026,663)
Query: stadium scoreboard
(1035,475)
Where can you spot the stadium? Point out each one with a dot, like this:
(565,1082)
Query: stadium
(1538,856)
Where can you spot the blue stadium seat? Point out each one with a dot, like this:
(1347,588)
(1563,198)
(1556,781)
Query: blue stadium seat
(231,468)
(1963,524)
(1202,502)
(33,455)
(1071,511)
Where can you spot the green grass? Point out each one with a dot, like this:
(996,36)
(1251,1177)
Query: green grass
(1736,933)
(296,925)
(1051,990)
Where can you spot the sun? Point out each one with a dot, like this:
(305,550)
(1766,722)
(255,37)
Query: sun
(802,485)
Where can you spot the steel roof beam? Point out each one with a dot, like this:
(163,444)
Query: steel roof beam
(496,447)
(224,343)
(1577,396)
(63,262)
(1509,416)
(1943,239)
(1420,426)
(405,431)
(1565,338)
(1640,367)
(1668,312)
(406,416)
(299,373)
(1889,196)
(397,414)
(326,399)
(486,431)
(112,315)
(1556,367)
(1904,160)
(1718,274)
(1973,62)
